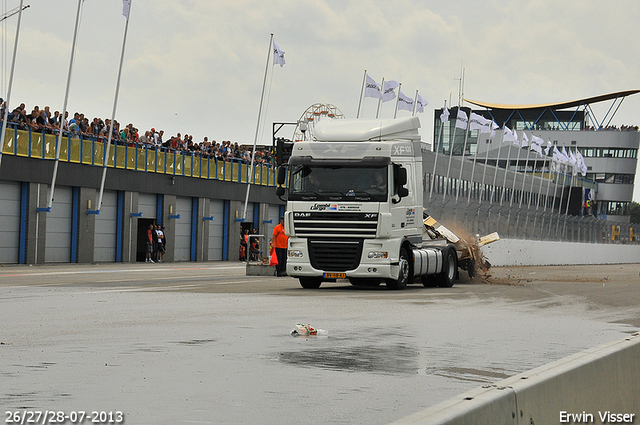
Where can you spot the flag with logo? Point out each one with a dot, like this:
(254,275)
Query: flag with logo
(476,122)
(525,140)
(462,120)
(422,102)
(388,90)
(404,102)
(278,55)
(372,89)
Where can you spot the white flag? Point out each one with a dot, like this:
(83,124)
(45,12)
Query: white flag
(549,144)
(422,102)
(509,136)
(581,164)
(444,116)
(537,149)
(536,145)
(404,102)
(126,5)
(565,156)
(494,127)
(388,90)
(536,140)
(372,89)
(462,120)
(525,140)
(572,159)
(476,122)
(278,55)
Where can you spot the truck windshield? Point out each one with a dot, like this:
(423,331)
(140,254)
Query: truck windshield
(338,183)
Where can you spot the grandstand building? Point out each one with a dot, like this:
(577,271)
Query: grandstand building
(610,153)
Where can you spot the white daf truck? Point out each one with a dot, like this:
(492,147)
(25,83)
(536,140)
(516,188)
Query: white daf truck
(354,208)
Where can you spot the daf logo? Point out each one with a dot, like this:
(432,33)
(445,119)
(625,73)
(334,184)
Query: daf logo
(302,214)
(340,149)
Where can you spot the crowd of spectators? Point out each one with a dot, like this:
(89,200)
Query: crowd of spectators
(43,120)
(614,128)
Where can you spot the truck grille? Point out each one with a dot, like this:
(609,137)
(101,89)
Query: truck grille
(335,255)
(335,224)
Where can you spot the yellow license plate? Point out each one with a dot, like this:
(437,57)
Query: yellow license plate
(335,275)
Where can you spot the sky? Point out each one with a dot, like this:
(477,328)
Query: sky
(197,66)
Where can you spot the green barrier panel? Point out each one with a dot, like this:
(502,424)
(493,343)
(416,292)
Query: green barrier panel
(171,159)
(142,159)
(195,172)
(160,159)
(179,164)
(87,151)
(119,154)
(37,139)
(63,149)
(50,146)
(131,158)
(151,160)
(22,143)
(74,149)
(8,141)
(188,165)
(98,153)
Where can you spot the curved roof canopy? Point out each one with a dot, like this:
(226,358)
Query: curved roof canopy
(558,105)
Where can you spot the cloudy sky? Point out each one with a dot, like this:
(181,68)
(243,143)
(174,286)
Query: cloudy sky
(197,66)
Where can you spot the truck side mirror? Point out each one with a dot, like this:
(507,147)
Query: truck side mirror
(400,180)
(281,175)
(402,176)
(280,191)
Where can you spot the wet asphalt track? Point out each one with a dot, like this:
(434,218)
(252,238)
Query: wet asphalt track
(194,343)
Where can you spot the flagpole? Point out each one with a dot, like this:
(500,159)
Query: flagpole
(506,170)
(546,195)
(451,146)
(495,174)
(475,160)
(380,99)
(13,65)
(415,104)
(513,188)
(464,148)
(255,139)
(364,80)
(113,113)
(435,151)
(486,163)
(397,100)
(525,175)
(64,109)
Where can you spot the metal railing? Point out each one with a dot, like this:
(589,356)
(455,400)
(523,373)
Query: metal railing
(75,148)
(523,223)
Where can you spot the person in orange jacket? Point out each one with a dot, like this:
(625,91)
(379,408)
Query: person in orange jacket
(279,240)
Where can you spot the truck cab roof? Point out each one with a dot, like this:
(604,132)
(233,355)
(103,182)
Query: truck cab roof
(361,130)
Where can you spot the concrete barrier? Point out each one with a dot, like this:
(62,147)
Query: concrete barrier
(523,252)
(597,386)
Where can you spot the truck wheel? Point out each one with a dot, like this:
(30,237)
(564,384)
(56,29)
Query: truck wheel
(310,282)
(403,274)
(449,268)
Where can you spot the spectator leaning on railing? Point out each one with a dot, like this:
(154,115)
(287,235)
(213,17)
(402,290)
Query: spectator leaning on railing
(42,120)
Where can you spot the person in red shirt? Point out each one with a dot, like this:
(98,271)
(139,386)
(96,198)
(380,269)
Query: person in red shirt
(279,241)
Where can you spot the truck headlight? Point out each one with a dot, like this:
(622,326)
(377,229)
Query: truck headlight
(378,254)
(295,253)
